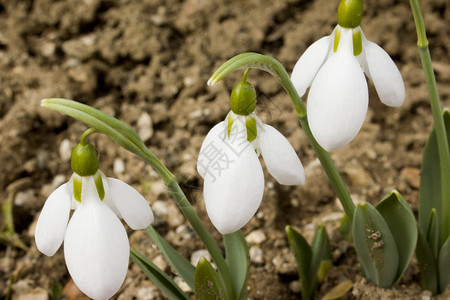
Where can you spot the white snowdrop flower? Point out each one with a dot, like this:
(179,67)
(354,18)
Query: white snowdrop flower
(334,68)
(96,246)
(229,164)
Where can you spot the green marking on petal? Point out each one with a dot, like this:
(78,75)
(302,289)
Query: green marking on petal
(337,37)
(357,43)
(99,185)
(230,124)
(77,185)
(252,131)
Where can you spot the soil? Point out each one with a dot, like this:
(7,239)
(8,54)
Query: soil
(147,63)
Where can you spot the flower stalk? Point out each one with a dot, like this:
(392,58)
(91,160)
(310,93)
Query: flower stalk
(443,148)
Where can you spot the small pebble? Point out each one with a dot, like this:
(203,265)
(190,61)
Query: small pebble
(196,255)
(256,255)
(119,166)
(295,286)
(412,176)
(145,126)
(256,237)
(182,284)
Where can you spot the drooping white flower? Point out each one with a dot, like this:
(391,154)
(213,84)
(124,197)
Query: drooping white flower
(96,246)
(233,177)
(334,68)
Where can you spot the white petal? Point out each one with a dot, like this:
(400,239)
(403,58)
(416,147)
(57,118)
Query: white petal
(309,63)
(96,249)
(133,208)
(385,75)
(280,157)
(52,223)
(234,190)
(338,99)
(214,137)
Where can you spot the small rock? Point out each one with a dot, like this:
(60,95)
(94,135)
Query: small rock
(160,262)
(65,150)
(284,263)
(295,286)
(182,284)
(48,49)
(412,176)
(119,166)
(147,293)
(256,237)
(58,180)
(145,126)
(256,255)
(160,208)
(196,255)
(357,175)
(34,294)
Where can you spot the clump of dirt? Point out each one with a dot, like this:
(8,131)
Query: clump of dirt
(147,63)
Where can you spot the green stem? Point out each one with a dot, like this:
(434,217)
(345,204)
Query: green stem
(441,135)
(271,65)
(86,134)
(128,139)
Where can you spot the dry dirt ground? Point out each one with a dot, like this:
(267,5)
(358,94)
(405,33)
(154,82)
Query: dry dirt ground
(147,63)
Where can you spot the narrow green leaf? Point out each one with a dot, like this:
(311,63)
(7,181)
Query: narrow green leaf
(158,277)
(375,245)
(427,263)
(430,192)
(181,265)
(345,228)
(303,256)
(321,254)
(208,285)
(236,250)
(402,224)
(433,233)
(444,265)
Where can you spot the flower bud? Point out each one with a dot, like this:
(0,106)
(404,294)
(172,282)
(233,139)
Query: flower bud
(350,13)
(84,160)
(243,98)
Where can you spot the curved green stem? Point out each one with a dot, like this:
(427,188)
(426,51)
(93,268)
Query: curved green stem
(86,134)
(128,139)
(441,135)
(275,68)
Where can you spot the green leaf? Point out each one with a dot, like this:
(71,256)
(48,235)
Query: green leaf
(430,192)
(236,250)
(427,263)
(208,285)
(181,265)
(444,265)
(321,255)
(345,228)
(375,245)
(433,236)
(303,256)
(402,224)
(158,277)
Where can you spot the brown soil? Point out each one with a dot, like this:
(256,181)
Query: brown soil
(135,59)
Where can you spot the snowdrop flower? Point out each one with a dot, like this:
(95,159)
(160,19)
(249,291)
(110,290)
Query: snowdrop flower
(228,162)
(334,68)
(96,247)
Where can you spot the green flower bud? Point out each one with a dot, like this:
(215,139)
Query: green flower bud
(84,160)
(243,98)
(350,13)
